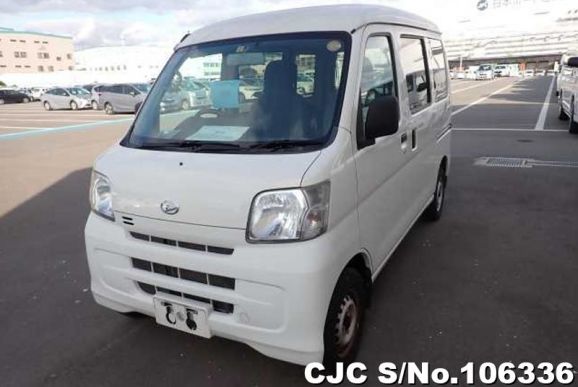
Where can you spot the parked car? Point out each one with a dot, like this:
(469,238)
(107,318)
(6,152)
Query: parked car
(13,96)
(268,225)
(529,73)
(551,73)
(568,94)
(73,98)
(198,93)
(541,73)
(37,93)
(122,98)
(304,84)
(249,89)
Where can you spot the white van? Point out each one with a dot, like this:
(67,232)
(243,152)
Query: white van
(568,94)
(266,220)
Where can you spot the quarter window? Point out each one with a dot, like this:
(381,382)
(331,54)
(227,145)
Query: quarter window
(438,66)
(413,64)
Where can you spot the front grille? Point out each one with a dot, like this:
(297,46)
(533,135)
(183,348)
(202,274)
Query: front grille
(188,275)
(181,244)
(218,306)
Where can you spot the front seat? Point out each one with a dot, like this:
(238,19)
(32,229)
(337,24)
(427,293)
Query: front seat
(280,111)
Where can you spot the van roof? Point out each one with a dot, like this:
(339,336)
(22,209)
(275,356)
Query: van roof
(308,19)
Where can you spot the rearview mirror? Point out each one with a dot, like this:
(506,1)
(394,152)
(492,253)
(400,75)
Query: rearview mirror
(382,117)
(573,61)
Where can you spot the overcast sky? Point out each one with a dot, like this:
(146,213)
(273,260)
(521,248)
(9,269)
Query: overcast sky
(95,23)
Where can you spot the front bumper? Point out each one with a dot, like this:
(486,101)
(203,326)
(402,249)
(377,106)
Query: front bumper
(280,294)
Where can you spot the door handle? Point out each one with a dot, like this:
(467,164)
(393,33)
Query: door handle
(404,142)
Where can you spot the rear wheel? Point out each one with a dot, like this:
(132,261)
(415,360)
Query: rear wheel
(1,102)
(434,211)
(25,100)
(344,319)
(94,105)
(108,108)
(47,105)
(573,125)
(185,105)
(73,105)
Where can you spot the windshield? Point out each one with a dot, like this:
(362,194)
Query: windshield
(262,94)
(485,67)
(142,87)
(77,91)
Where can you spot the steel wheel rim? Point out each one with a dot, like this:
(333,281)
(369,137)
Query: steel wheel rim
(347,325)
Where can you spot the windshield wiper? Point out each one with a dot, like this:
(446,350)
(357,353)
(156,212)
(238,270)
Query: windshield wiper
(286,144)
(193,146)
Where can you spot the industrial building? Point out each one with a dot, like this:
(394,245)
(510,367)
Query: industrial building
(34,52)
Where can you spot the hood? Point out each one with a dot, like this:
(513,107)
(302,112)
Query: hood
(209,189)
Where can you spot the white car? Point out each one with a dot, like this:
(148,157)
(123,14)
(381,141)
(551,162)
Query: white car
(541,73)
(266,222)
(485,72)
(568,94)
(529,73)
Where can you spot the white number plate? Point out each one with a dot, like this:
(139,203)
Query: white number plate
(187,318)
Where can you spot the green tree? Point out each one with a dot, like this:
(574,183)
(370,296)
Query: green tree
(2,84)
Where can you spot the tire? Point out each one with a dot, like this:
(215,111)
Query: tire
(108,109)
(47,105)
(94,105)
(242,98)
(573,125)
(561,113)
(434,211)
(137,106)
(25,100)
(1,102)
(73,105)
(344,321)
(185,105)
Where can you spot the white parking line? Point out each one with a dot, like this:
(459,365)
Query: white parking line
(504,130)
(473,87)
(483,99)
(544,111)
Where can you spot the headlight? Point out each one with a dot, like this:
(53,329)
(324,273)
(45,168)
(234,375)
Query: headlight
(101,196)
(289,215)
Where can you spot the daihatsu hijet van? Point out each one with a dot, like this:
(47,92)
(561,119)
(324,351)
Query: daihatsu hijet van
(266,219)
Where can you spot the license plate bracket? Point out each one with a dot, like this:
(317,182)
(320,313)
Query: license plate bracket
(186,317)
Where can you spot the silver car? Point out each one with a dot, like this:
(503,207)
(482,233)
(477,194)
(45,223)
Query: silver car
(122,98)
(73,98)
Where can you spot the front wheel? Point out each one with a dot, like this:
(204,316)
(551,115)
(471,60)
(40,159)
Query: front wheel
(573,126)
(73,105)
(344,319)
(561,113)
(434,211)
(108,108)
(47,105)
(94,105)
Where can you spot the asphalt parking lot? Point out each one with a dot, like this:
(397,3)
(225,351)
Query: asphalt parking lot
(494,280)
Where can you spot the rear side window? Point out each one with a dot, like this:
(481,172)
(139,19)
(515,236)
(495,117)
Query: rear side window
(438,67)
(377,79)
(413,64)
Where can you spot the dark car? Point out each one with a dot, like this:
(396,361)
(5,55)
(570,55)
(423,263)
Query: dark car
(13,96)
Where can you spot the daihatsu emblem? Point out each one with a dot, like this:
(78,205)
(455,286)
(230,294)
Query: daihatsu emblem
(169,207)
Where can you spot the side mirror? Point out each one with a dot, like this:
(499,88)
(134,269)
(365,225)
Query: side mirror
(382,117)
(573,61)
